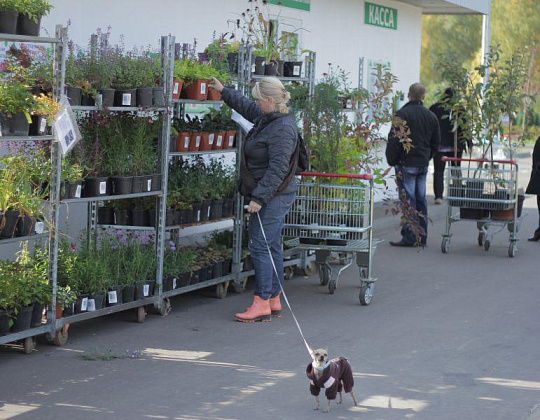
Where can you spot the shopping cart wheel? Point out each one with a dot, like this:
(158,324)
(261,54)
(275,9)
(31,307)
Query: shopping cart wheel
(310,268)
(60,338)
(366,293)
(141,314)
(512,248)
(221,290)
(29,345)
(324,274)
(165,307)
(481,238)
(332,286)
(487,244)
(288,273)
(445,245)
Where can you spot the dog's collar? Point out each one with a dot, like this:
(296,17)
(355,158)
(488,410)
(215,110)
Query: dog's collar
(323,367)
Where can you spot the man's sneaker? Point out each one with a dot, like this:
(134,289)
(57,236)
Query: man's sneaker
(438,201)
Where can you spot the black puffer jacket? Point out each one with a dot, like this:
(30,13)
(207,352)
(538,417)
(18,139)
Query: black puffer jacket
(268,148)
(425,136)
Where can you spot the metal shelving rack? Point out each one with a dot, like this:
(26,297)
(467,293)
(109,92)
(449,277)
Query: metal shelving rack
(59,43)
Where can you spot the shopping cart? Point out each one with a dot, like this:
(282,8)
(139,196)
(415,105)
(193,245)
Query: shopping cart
(333,216)
(486,192)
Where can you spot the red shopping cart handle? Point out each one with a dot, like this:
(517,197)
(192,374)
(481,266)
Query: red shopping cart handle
(452,159)
(350,176)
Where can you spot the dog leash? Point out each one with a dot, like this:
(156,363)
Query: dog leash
(283,290)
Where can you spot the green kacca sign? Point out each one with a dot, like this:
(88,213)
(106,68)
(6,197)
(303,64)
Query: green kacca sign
(382,16)
(295,4)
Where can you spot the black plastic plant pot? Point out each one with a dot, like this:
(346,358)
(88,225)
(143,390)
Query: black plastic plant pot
(10,221)
(194,277)
(158,94)
(125,97)
(140,218)
(121,184)
(87,100)
(184,279)
(99,302)
(170,217)
(23,319)
(95,186)
(26,226)
(145,96)
(74,95)
(122,217)
(153,288)
(38,126)
(27,26)
(281,64)
(187,217)
(336,242)
(271,68)
(16,125)
(114,296)
(228,207)
(8,24)
(473,213)
(216,209)
(170,283)
(71,190)
(105,216)
(196,210)
(205,211)
(155,182)
(143,290)
(138,184)
(37,314)
(81,304)
(128,294)
(248,263)
(4,323)
(259,65)
(68,311)
(106,97)
(292,68)
(232,59)
(226,267)
(217,270)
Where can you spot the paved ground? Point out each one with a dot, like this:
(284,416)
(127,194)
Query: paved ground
(447,336)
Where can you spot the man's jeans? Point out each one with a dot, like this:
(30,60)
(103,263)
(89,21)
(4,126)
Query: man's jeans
(267,285)
(412,188)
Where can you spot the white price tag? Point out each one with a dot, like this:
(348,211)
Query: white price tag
(211,139)
(99,99)
(42,125)
(203,88)
(349,104)
(296,70)
(40,227)
(149,185)
(65,127)
(186,142)
(84,304)
(219,140)
(78,191)
(253,68)
(126,99)
(197,141)
(176,88)
(174,283)
(231,141)
(146,290)
(208,213)
(103,187)
(91,305)
(198,215)
(112,297)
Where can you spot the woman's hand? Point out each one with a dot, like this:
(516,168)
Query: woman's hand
(253,207)
(215,84)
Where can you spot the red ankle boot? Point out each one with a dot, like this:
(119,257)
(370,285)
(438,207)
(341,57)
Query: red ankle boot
(259,311)
(275,306)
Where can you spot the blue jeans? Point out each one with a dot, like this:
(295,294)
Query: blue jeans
(267,284)
(412,192)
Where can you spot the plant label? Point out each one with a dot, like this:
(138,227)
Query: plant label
(296,70)
(253,68)
(91,305)
(99,99)
(78,191)
(42,125)
(149,185)
(211,139)
(231,141)
(219,140)
(84,304)
(40,227)
(112,297)
(197,141)
(198,215)
(103,187)
(186,142)
(203,88)
(349,104)
(174,283)
(65,127)
(126,99)
(176,88)
(146,290)
(208,213)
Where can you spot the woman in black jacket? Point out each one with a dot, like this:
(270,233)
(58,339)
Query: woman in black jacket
(267,185)
(534,185)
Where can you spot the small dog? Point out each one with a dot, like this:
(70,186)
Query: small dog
(334,375)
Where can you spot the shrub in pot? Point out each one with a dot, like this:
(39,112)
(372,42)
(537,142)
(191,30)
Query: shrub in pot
(30,14)
(9,12)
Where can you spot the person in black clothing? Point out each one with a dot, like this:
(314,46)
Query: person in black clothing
(534,185)
(451,145)
(411,166)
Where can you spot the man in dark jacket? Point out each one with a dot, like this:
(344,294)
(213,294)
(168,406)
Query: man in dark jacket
(411,165)
(451,145)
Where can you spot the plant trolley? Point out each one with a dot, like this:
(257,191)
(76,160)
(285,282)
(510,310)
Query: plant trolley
(486,194)
(333,215)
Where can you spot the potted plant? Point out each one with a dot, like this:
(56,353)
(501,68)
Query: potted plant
(126,72)
(8,295)
(9,12)
(16,104)
(30,14)
(147,71)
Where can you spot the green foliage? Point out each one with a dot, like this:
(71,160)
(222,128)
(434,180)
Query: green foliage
(34,9)
(15,98)
(11,5)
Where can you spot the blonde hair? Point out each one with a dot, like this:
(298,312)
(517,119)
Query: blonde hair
(271,87)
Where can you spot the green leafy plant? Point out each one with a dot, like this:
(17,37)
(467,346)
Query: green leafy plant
(34,9)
